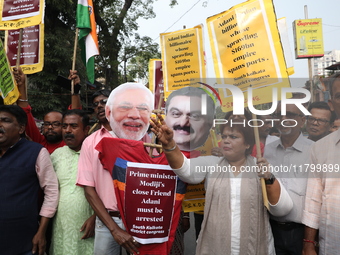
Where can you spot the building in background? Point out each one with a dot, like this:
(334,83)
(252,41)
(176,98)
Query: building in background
(329,58)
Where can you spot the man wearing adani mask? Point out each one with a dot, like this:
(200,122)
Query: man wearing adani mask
(128,110)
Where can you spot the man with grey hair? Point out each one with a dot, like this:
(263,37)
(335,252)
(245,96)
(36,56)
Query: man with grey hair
(289,155)
(128,110)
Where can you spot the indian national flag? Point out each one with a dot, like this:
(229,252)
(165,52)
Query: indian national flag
(88,39)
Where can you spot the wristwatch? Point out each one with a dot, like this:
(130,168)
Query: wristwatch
(270,180)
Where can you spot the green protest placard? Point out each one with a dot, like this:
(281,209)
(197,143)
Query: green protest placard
(8,90)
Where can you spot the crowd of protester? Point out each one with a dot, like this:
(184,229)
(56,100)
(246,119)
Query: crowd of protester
(57,198)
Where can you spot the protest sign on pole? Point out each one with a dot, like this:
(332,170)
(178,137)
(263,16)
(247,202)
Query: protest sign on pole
(19,14)
(152,188)
(194,200)
(32,48)
(182,58)
(247,51)
(8,90)
(156,85)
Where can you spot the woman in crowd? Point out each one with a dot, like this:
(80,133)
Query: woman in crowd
(236,221)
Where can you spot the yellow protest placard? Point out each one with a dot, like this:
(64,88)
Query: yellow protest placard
(20,14)
(247,51)
(32,48)
(8,90)
(182,58)
(194,200)
(308,38)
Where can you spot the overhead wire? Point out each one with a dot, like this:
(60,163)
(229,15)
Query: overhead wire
(179,18)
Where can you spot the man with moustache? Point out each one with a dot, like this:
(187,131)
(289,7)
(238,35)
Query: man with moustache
(51,137)
(183,112)
(321,213)
(291,151)
(99,99)
(25,168)
(73,225)
(128,110)
(318,124)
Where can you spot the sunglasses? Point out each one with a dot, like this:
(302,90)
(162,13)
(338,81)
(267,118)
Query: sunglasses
(102,102)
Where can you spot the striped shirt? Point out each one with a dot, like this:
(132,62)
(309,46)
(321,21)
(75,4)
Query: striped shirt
(289,165)
(322,206)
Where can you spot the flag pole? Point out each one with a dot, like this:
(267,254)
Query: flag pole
(19,48)
(17,64)
(158,110)
(74,58)
(258,155)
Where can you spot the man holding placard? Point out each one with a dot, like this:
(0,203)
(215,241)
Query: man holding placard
(51,137)
(128,110)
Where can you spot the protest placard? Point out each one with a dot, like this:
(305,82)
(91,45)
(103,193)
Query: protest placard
(17,14)
(152,188)
(247,51)
(8,90)
(194,199)
(32,48)
(182,58)
(153,183)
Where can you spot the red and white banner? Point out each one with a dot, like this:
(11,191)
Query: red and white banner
(32,48)
(152,189)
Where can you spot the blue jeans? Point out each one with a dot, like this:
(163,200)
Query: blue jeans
(104,243)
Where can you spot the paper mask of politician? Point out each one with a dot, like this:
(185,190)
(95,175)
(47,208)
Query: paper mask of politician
(128,110)
(183,110)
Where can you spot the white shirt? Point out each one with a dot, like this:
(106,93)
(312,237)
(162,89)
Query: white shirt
(190,175)
(235,202)
(292,160)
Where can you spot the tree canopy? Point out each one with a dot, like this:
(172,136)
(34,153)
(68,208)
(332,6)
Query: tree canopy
(120,48)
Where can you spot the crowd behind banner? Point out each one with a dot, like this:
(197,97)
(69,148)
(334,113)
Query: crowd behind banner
(94,201)
(156,156)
